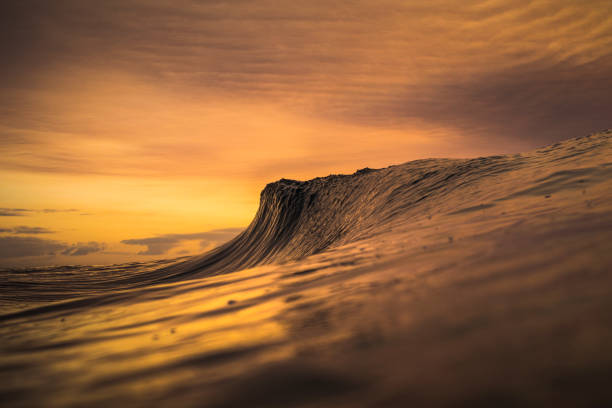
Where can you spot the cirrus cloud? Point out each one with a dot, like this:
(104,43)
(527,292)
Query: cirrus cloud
(529,71)
(162,244)
(19,247)
(25,230)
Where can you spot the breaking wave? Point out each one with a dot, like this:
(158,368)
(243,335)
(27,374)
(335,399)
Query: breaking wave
(486,278)
(296,219)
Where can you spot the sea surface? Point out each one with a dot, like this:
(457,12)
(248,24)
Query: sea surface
(483,282)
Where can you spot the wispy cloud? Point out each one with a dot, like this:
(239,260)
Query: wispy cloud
(26,230)
(20,212)
(19,247)
(55,210)
(13,212)
(532,70)
(83,248)
(162,244)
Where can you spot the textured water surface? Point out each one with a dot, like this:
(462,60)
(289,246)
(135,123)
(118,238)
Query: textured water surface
(480,282)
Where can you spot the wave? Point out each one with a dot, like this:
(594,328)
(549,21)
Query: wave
(296,219)
(379,288)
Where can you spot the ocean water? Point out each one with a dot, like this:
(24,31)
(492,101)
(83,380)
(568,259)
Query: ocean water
(478,282)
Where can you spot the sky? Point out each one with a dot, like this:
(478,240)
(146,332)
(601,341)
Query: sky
(142,129)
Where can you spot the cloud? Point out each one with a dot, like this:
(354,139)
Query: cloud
(19,212)
(367,62)
(18,247)
(55,210)
(529,102)
(162,244)
(27,230)
(13,212)
(84,248)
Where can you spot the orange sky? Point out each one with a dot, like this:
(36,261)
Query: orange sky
(156,122)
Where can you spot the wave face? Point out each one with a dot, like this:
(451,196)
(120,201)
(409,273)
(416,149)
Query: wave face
(296,219)
(438,283)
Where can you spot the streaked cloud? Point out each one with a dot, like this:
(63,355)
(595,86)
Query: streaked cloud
(13,212)
(18,247)
(162,244)
(83,75)
(55,210)
(19,212)
(83,248)
(22,229)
